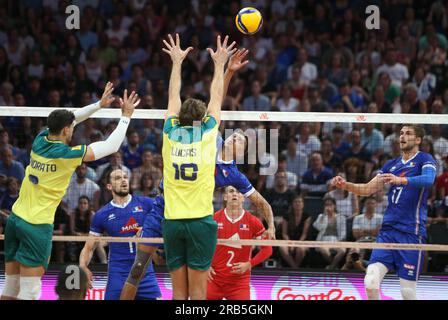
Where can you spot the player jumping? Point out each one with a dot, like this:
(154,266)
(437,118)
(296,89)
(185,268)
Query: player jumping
(29,229)
(411,175)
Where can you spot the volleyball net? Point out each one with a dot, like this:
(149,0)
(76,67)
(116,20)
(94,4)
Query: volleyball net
(291,159)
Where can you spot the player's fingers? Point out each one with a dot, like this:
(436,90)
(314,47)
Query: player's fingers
(167,44)
(188,50)
(231,46)
(210,51)
(224,43)
(121,102)
(171,40)
(137,103)
(244,54)
(231,52)
(125,96)
(177,40)
(244,63)
(218,42)
(167,51)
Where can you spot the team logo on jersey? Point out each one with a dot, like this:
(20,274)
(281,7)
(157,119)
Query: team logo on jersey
(137,209)
(412,164)
(235,236)
(225,173)
(393,168)
(409,266)
(111,217)
(130,227)
(220,225)
(244,226)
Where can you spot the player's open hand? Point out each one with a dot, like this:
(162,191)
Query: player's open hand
(241,267)
(107,98)
(338,182)
(389,178)
(211,273)
(172,48)
(128,104)
(236,60)
(223,51)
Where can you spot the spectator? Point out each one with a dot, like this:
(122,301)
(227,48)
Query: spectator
(286,103)
(398,72)
(61,222)
(425,83)
(317,104)
(290,176)
(86,37)
(336,72)
(340,147)
(295,226)
(257,101)
(9,196)
(296,160)
(115,161)
(10,167)
(392,92)
(147,187)
(372,139)
(350,99)
(308,70)
(280,197)
(332,227)
(366,226)
(327,89)
(330,159)
(307,142)
(79,222)
(347,203)
(439,142)
(315,180)
(147,167)
(411,97)
(132,152)
(79,186)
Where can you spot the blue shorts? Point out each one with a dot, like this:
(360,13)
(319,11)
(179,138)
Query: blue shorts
(147,290)
(152,227)
(407,263)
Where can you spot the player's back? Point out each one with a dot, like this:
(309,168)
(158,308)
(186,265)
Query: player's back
(246,226)
(407,207)
(189,165)
(47,177)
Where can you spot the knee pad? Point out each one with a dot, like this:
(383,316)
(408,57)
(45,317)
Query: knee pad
(12,286)
(374,276)
(141,263)
(408,289)
(30,288)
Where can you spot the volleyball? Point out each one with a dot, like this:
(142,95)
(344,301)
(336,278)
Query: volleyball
(249,20)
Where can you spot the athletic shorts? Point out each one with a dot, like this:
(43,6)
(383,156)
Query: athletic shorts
(152,227)
(29,244)
(218,291)
(407,263)
(148,288)
(190,242)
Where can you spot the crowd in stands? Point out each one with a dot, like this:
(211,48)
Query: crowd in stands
(309,56)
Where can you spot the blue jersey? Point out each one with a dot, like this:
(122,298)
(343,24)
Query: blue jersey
(124,223)
(407,208)
(227,173)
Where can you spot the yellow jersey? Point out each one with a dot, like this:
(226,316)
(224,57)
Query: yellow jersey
(189,158)
(47,177)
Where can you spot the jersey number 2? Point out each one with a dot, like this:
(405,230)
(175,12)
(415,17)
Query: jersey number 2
(182,174)
(232,255)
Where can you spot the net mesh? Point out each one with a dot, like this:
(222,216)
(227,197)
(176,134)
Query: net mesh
(291,160)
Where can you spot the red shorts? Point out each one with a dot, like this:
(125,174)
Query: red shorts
(219,291)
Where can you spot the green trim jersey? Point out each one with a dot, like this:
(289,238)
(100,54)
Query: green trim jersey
(189,160)
(47,177)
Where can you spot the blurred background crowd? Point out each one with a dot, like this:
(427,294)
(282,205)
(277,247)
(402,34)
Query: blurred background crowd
(309,56)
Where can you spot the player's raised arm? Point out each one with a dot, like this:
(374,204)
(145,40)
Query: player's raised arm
(360,189)
(260,202)
(106,99)
(172,48)
(101,149)
(235,63)
(220,57)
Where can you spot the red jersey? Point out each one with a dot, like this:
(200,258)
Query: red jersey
(246,226)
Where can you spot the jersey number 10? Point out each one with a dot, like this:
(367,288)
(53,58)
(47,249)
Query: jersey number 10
(181,173)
